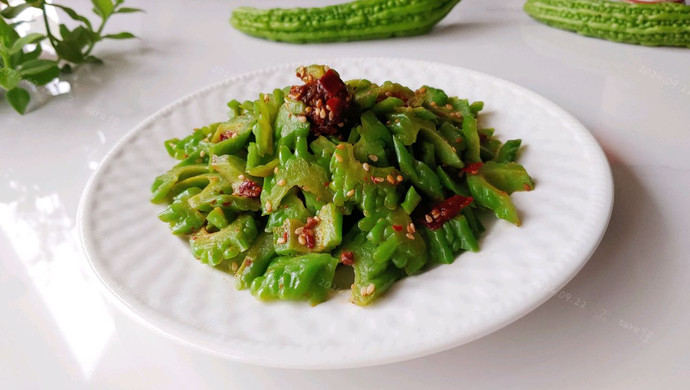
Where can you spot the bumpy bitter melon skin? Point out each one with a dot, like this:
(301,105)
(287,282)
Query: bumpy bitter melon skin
(356,20)
(661,24)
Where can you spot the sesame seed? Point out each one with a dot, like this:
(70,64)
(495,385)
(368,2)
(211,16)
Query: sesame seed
(373,158)
(281,182)
(410,236)
(390,179)
(281,240)
(299,230)
(322,114)
(422,90)
(302,240)
(453,149)
(275,170)
(340,146)
(399,178)
(241,177)
(366,167)
(319,103)
(339,157)
(350,193)
(308,110)
(202,153)
(363,291)
(269,206)
(411,228)
(326,68)
(428,218)
(234,267)
(379,179)
(341,124)
(370,289)
(266,98)
(331,116)
(448,106)
(302,118)
(435,213)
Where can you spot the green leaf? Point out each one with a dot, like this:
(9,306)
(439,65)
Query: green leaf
(9,78)
(33,54)
(104,6)
(7,34)
(39,72)
(69,51)
(19,99)
(128,10)
(74,15)
(13,12)
(122,35)
(93,60)
(25,40)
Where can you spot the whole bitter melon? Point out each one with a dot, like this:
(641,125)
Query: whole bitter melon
(661,24)
(357,20)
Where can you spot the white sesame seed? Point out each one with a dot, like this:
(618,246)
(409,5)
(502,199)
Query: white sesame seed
(299,230)
(373,158)
(331,116)
(428,218)
(302,118)
(363,291)
(275,170)
(319,103)
(341,124)
(435,213)
(281,240)
(411,228)
(399,178)
(448,106)
(350,193)
(379,179)
(410,236)
(241,177)
(390,179)
(370,288)
(269,206)
(326,68)
(339,157)
(322,114)
(202,153)
(340,146)
(281,182)
(308,110)
(234,267)
(317,219)
(366,167)
(302,240)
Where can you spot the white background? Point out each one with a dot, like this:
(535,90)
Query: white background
(57,331)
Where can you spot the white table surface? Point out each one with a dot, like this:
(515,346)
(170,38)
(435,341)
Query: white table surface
(58,331)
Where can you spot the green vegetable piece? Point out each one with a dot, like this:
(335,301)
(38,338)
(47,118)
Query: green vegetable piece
(323,149)
(364,93)
(445,152)
(163,184)
(387,105)
(508,177)
(351,21)
(231,136)
(266,109)
(412,200)
(658,24)
(492,198)
(296,171)
(451,184)
(508,152)
(469,129)
(418,173)
(219,192)
(369,188)
(406,125)
(193,149)
(372,278)
(256,260)
(327,234)
(227,243)
(182,218)
(291,207)
(453,136)
(375,138)
(300,278)
(288,126)
(217,219)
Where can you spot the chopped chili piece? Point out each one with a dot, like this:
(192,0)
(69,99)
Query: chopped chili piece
(227,135)
(472,168)
(309,237)
(444,211)
(347,258)
(397,228)
(329,100)
(249,189)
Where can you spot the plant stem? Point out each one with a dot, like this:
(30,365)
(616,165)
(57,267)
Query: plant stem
(51,38)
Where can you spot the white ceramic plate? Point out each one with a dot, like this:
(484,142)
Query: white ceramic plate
(154,274)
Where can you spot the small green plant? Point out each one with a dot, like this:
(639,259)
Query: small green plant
(20,57)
